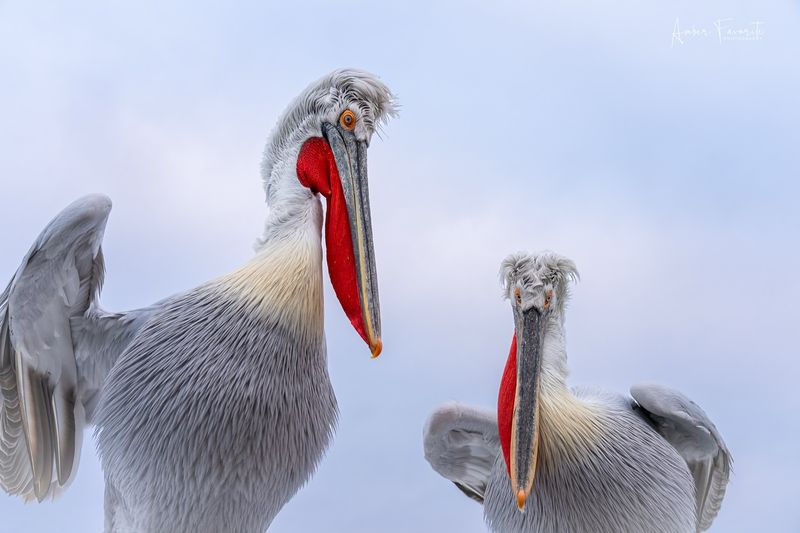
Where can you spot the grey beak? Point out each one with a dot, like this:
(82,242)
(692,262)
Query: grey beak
(351,162)
(525,424)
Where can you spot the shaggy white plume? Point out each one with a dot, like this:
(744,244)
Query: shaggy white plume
(542,269)
(361,92)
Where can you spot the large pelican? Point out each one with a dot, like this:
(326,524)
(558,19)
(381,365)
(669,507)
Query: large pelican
(582,461)
(212,407)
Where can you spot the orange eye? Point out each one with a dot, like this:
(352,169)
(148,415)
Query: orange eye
(348,120)
(547,298)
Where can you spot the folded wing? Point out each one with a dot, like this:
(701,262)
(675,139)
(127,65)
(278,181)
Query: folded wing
(461,443)
(687,427)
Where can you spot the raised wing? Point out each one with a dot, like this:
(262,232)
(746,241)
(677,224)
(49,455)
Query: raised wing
(41,421)
(687,427)
(462,444)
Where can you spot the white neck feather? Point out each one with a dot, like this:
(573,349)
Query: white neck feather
(285,276)
(554,358)
(569,424)
(290,203)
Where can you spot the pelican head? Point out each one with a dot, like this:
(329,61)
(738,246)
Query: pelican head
(537,287)
(319,147)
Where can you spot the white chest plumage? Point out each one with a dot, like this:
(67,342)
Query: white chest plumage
(595,453)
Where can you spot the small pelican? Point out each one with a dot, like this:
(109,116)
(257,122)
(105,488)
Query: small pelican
(556,460)
(213,406)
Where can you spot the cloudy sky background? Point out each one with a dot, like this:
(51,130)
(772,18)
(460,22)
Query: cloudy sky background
(667,171)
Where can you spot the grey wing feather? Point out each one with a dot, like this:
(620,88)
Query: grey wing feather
(687,427)
(48,321)
(462,444)
(15,465)
(100,337)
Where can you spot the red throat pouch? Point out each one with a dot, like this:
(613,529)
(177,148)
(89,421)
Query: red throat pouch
(505,402)
(316,169)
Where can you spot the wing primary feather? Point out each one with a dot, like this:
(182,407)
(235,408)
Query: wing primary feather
(470,492)
(37,423)
(701,472)
(63,415)
(15,465)
(5,341)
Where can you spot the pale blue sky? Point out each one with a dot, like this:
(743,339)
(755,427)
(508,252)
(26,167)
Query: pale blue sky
(668,173)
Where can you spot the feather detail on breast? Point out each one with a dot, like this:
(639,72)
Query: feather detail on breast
(231,394)
(285,277)
(570,426)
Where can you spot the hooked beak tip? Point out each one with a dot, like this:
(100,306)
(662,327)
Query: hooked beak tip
(376,347)
(521,499)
